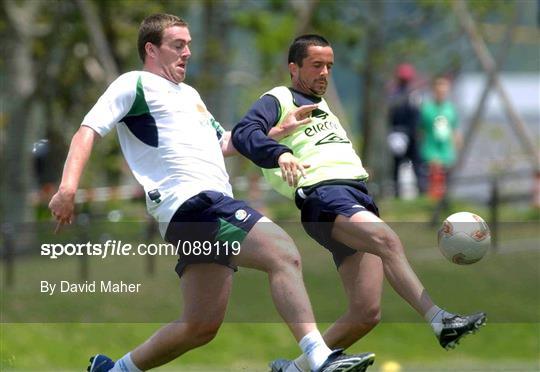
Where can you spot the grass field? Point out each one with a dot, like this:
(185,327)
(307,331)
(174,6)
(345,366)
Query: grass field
(46,333)
(248,347)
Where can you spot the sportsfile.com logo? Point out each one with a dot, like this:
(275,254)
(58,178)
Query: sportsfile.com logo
(119,248)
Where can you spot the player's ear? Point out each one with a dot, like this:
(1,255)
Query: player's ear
(150,49)
(293,68)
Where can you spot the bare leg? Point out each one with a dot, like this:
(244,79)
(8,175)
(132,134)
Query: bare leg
(206,289)
(268,248)
(362,277)
(366,232)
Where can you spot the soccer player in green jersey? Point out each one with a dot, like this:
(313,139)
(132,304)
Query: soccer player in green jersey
(315,164)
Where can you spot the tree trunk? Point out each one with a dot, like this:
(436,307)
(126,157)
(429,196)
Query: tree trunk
(372,120)
(489,66)
(97,35)
(17,168)
(215,59)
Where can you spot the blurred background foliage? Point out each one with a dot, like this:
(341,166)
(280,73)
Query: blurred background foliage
(59,56)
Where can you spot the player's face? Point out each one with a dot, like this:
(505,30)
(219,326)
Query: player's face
(441,88)
(312,77)
(172,55)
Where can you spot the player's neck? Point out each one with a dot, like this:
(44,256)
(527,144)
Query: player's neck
(307,94)
(160,73)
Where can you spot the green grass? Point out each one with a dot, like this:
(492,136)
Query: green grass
(506,285)
(42,333)
(248,347)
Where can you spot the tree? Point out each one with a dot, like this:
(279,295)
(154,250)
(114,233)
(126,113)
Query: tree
(21,69)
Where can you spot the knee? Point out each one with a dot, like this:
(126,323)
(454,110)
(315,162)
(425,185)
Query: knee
(386,241)
(365,318)
(372,316)
(284,255)
(202,333)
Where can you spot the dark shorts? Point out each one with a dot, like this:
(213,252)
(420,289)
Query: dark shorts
(209,228)
(320,204)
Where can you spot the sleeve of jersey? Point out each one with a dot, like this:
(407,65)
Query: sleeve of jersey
(113,105)
(250,135)
(213,122)
(218,128)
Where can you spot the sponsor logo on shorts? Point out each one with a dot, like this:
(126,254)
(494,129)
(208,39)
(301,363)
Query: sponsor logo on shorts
(358,206)
(241,215)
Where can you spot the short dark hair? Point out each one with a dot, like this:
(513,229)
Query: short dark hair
(151,30)
(299,48)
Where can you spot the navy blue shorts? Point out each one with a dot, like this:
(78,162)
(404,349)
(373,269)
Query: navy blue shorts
(209,228)
(320,204)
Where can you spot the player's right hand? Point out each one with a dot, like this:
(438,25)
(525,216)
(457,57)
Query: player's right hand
(291,168)
(62,206)
(295,118)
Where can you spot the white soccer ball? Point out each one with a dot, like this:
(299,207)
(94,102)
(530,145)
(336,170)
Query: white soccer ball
(464,238)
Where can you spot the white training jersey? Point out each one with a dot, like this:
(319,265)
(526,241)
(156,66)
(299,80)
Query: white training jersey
(169,139)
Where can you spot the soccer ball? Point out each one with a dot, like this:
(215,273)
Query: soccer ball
(464,238)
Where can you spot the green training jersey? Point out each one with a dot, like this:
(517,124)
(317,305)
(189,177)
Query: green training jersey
(438,125)
(323,143)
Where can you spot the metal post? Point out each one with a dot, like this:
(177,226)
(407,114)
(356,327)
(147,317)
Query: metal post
(494,213)
(9,254)
(83,222)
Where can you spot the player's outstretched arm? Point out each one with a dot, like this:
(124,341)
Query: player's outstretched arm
(62,204)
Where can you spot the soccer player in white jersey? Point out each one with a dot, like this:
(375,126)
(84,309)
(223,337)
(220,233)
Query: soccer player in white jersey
(175,150)
(336,208)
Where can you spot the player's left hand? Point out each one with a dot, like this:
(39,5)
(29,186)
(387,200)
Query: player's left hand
(291,168)
(295,118)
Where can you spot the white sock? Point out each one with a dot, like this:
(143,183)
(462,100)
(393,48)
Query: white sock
(125,364)
(434,316)
(302,363)
(314,349)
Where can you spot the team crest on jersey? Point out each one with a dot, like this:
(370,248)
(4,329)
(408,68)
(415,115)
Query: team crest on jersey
(201,108)
(241,215)
(332,138)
